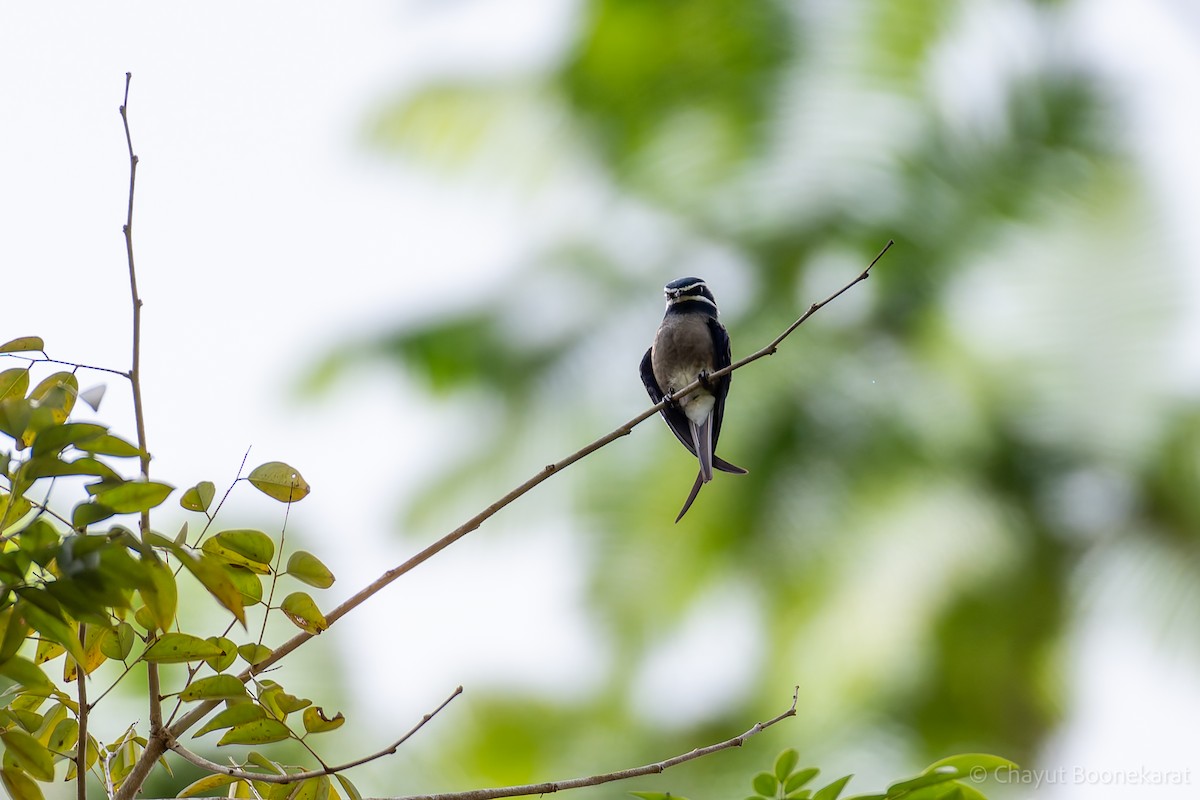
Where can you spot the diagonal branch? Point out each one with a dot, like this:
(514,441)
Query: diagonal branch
(198,713)
(609,777)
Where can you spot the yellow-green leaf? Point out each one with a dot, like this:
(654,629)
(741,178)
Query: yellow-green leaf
(30,754)
(349,788)
(262,731)
(160,595)
(315,720)
(213,575)
(306,567)
(302,610)
(199,497)
(254,653)
(47,651)
(14,383)
(23,344)
(64,736)
(119,645)
(311,789)
(133,497)
(93,655)
(206,785)
(57,392)
(109,445)
(51,627)
(280,481)
(27,674)
(177,648)
(238,714)
(214,687)
(228,653)
(248,583)
(19,786)
(233,547)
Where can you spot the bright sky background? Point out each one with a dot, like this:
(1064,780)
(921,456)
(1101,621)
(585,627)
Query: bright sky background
(265,232)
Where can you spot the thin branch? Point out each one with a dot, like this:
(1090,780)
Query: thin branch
(295,777)
(141,769)
(81,745)
(199,712)
(609,777)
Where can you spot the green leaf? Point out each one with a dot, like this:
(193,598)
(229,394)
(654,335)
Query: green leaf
(178,648)
(15,629)
(765,784)
(656,796)
(27,674)
(214,687)
(14,383)
(19,786)
(228,653)
(262,731)
(206,785)
(57,392)
(23,344)
(213,576)
(20,507)
(279,481)
(352,792)
(785,763)
(800,778)
(64,736)
(315,720)
(49,624)
(134,497)
(232,548)
(120,643)
(161,595)
(302,610)
(254,653)
(199,497)
(52,467)
(53,440)
(238,714)
(317,788)
(832,791)
(109,445)
(86,514)
(967,762)
(30,754)
(247,582)
(307,568)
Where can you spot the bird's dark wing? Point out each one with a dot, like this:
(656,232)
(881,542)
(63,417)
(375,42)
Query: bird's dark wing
(722,357)
(677,421)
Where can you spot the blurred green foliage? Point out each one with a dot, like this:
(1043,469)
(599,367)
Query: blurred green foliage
(903,533)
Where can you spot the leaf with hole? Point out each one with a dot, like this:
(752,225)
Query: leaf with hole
(280,481)
(315,720)
(302,610)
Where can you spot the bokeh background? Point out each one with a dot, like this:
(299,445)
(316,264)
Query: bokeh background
(417,250)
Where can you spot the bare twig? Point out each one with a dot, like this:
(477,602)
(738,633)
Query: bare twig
(212,766)
(609,777)
(141,769)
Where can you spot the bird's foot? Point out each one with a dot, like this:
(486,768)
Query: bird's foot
(669,399)
(703,378)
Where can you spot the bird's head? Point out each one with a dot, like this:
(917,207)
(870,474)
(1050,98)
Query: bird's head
(689,290)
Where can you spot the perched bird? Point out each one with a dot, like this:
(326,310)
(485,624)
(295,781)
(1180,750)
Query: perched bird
(691,343)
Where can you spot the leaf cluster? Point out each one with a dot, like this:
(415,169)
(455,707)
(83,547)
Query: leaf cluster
(88,593)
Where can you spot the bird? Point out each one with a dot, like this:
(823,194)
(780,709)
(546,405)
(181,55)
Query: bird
(690,344)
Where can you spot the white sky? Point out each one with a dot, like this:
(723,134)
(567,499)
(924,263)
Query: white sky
(264,233)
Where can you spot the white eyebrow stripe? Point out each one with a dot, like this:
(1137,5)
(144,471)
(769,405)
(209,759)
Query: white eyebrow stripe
(687,288)
(685,298)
